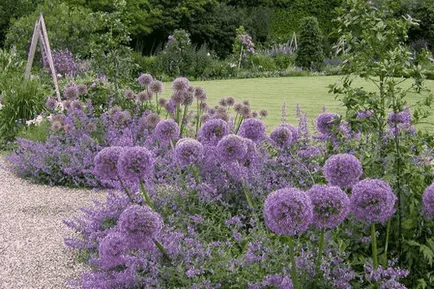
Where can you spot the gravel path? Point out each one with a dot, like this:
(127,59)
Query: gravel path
(32,253)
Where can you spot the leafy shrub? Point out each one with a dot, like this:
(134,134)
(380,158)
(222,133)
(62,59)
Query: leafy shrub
(263,62)
(148,64)
(310,53)
(283,60)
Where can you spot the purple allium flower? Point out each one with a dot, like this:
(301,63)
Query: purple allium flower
(180,84)
(255,114)
(82,89)
(342,170)
(178,97)
(151,120)
(263,113)
(112,249)
(372,201)
(222,102)
(167,130)
(162,101)
(70,92)
(156,86)
(51,103)
(200,93)
(230,101)
(56,126)
(245,111)
(237,107)
(105,163)
(253,129)
(330,206)
(402,117)
(281,136)
(428,201)
(204,118)
(143,96)
(140,221)
(129,94)
(326,121)
(288,211)
(145,79)
(135,163)
(231,148)
(188,151)
(212,132)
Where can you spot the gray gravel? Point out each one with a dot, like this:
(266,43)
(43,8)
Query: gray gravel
(32,253)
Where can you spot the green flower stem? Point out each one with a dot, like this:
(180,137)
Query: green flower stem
(184,115)
(247,194)
(156,103)
(197,115)
(319,258)
(177,114)
(386,246)
(374,247)
(195,174)
(162,250)
(127,191)
(145,195)
(293,265)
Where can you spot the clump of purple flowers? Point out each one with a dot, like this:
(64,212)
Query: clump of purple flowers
(253,129)
(112,250)
(288,211)
(135,163)
(342,170)
(282,136)
(330,206)
(232,148)
(145,79)
(326,122)
(105,163)
(166,131)
(372,201)
(428,202)
(213,131)
(188,151)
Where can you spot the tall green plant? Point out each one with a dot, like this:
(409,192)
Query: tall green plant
(373,46)
(310,52)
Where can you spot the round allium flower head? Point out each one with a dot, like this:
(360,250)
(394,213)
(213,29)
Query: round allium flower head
(56,125)
(204,118)
(222,102)
(255,114)
(253,129)
(231,148)
(188,151)
(188,99)
(180,84)
(281,136)
(200,93)
(203,106)
(151,120)
(372,201)
(326,121)
(145,79)
(230,101)
(237,107)
(213,131)
(135,163)
(245,111)
(70,92)
(82,89)
(263,113)
(342,170)
(428,202)
(330,204)
(178,97)
(246,102)
(129,94)
(112,246)
(156,86)
(143,96)
(167,130)
(162,101)
(140,221)
(288,211)
(105,163)
(51,103)
(211,110)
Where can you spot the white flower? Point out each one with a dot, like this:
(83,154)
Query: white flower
(1,106)
(38,119)
(60,106)
(50,117)
(209,54)
(59,75)
(30,122)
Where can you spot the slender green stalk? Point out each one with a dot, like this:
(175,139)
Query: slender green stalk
(162,250)
(374,247)
(293,265)
(197,115)
(195,174)
(145,195)
(127,191)
(247,194)
(319,258)
(184,115)
(386,246)
(177,114)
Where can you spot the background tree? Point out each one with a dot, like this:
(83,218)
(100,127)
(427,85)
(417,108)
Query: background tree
(310,52)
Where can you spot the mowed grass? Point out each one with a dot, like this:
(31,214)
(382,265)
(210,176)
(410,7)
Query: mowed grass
(310,93)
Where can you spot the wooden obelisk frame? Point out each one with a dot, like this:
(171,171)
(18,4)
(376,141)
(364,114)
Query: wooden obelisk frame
(40,33)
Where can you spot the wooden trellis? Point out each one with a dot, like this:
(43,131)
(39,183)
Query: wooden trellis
(40,34)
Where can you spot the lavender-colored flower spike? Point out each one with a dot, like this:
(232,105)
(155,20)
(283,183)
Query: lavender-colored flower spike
(213,131)
(167,130)
(372,201)
(342,170)
(145,79)
(135,163)
(330,204)
(231,148)
(140,221)
(428,202)
(188,151)
(288,211)
(253,129)
(281,136)
(105,163)
(180,84)
(326,121)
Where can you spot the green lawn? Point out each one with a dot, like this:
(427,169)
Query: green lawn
(311,93)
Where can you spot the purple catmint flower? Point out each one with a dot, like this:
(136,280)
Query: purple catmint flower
(428,201)
(145,79)
(151,120)
(330,206)
(342,170)
(188,151)
(180,84)
(253,129)
(231,148)
(70,92)
(105,163)
(364,114)
(326,121)
(112,250)
(281,136)
(372,201)
(156,86)
(140,221)
(402,117)
(167,130)
(135,163)
(213,131)
(288,211)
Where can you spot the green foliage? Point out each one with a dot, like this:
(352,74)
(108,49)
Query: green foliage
(283,61)
(263,62)
(178,55)
(37,133)
(310,53)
